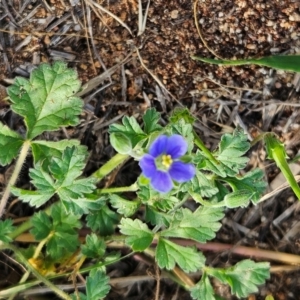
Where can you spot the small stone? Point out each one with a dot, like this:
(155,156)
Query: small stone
(174,14)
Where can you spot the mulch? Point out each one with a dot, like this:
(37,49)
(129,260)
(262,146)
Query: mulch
(128,69)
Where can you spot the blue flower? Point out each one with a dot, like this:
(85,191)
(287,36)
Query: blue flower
(162,165)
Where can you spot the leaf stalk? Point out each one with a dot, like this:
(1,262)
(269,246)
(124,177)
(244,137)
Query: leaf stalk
(15,174)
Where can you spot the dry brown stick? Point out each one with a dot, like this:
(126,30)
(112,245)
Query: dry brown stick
(243,251)
(200,34)
(287,258)
(157,275)
(87,36)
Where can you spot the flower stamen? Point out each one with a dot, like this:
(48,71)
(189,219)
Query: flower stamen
(166,161)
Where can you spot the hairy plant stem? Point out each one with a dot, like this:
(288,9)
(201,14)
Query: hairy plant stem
(109,166)
(131,188)
(201,145)
(15,174)
(35,256)
(36,273)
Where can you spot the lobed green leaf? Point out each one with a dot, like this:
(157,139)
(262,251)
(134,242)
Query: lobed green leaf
(97,285)
(59,177)
(6,227)
(203,289)
(10,144)
(60,228)
(151,118)
(199,226)
(94,246)
(245,188)
(46,101)
(103,220)
(124,207)
(168,254)
(130,129)
(139,236)
(243,278)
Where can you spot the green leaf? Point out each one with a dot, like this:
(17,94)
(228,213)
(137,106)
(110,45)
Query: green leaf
(10,144)
(245,189)
(103,220)
(65,237)
(82,205)
(60,216)
(123,206)
(149,196)
(139,236)
(231,149)
(199,226)
(60,178)
(281,62)
(94,247)
(244,277)
(151,118)
(41,225)
(156,217)
(203,289)
(120,142)
(77,296)
(97,285)
(182,113)
(230,158)
(34,198)
(46,150)
(205,163)
(202,185)
(130,128)
(46,101)
(6,227)
(167,254)
(60,228)
(183,128)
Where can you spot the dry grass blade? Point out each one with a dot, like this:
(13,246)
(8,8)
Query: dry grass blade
(142,19)
(94,82)
(90,31)
(92,3)
(156,78)
(200,34)
(278,190)
(86,33)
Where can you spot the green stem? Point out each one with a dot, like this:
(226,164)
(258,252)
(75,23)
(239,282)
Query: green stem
(131,188)
(25,226)
(15,174)
(109,166)
(25,286)
(201,145)
(36,255)
(40,277)
(199,199)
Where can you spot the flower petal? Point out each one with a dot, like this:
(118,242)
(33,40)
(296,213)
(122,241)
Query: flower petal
(176,146)
(158,147)
(182,172)
(147,164)
(162,182)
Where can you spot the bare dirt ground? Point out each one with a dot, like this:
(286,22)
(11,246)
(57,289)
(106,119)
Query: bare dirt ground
(130,65)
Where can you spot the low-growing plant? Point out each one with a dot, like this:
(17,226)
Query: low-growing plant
(176,168)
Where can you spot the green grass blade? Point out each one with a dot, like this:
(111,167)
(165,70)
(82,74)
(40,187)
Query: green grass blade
(281,62)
